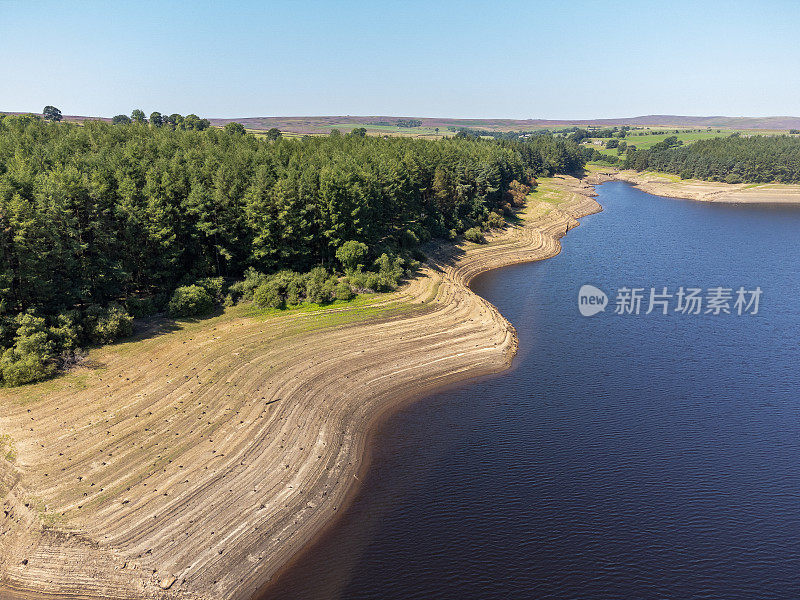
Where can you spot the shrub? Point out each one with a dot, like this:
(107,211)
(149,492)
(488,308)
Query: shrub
(343,291)
(316,290)
(243,290)
(32,357)
(495,221)
(215,286)
(19,369)
(294,291)
(328,290)
(68,330)
(357,279)
(190,301)
(409,239)
(141,307)
(372,282)
(105,325)
(474,234)
(733,178)
(267,296)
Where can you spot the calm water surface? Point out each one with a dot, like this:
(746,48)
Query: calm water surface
(630,457)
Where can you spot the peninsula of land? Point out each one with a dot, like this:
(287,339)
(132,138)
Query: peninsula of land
(196,460)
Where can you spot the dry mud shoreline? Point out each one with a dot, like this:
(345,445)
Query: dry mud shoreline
(672,186)
(195,463)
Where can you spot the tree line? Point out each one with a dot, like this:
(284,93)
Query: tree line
(102,222)
(731,159)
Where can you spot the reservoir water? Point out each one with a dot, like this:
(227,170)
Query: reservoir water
(624,456)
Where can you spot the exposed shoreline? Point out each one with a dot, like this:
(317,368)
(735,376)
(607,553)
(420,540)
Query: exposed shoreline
(672,186)
(281,495)
(576,208)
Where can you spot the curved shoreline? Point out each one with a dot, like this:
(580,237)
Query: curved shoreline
(373,427)
(672,186)
(332,394)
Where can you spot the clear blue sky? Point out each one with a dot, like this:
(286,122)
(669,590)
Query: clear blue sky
(516,59)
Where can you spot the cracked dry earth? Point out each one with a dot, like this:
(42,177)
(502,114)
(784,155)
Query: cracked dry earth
(196,460)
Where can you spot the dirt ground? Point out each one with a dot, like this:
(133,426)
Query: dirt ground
(196,460)
(673,186)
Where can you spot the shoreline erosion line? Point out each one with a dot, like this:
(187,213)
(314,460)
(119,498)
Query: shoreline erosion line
(672,186)
(223,507)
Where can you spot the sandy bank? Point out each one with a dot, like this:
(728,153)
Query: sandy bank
(662,184)
(194,463)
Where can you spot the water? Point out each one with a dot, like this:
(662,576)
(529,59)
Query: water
(631,457)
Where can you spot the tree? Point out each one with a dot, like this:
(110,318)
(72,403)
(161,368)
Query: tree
(351,253)
(235,128)
(100,223)
(156,120)
(359,132)
(121,120)
(137,115)
(190,121)
(174,120)
(190,301)
(273,133)
(51,113)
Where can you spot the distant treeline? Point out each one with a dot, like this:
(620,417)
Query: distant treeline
(101,221)
(732,159)
(400,123)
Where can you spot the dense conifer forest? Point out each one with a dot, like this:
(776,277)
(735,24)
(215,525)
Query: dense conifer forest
(732,159)
(103,222)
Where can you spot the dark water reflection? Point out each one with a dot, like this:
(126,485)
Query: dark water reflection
(627,457)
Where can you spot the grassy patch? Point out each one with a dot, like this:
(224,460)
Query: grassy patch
(650,137)
(548,191)
(7,450)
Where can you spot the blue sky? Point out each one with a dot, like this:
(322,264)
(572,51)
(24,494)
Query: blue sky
(515,59)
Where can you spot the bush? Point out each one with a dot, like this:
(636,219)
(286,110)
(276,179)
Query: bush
(495,221)
(19,369)
(267,296)
(357,279)
(67,333)
(343,291)
(190,301)
(328,290)
(243,290)
(105,325)
(141,307)
(215,286)
(32,357)
(294,291)
(351,253)
(372,282)
(316,290)
(474,234)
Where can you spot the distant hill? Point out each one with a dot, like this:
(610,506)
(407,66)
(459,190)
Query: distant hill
(322,124)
